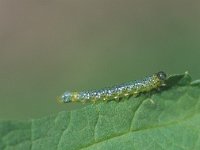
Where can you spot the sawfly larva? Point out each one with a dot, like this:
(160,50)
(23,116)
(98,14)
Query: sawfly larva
(117,92)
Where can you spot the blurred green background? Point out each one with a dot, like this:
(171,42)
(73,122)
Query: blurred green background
(48,47)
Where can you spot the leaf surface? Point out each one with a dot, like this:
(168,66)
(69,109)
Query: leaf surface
(168,119)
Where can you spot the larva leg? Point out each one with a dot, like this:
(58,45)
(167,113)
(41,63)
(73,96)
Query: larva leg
(163,84)
(126,95)
(159,89)
(94,101)
(135,94)
(106,99)
(116,98)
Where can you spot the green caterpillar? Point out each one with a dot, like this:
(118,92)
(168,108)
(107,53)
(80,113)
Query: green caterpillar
(116,92)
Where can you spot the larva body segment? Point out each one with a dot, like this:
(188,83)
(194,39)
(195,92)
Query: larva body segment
(119,91)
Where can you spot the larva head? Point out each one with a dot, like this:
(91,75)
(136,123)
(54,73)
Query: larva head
(161,75)
(66,97)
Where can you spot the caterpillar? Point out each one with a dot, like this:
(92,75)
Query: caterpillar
(116,92)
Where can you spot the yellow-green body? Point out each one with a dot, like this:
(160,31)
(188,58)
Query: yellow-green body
(116,92)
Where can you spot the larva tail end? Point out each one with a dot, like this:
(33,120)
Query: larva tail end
(59,100)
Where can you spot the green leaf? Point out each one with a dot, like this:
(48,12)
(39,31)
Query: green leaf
(167,119)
